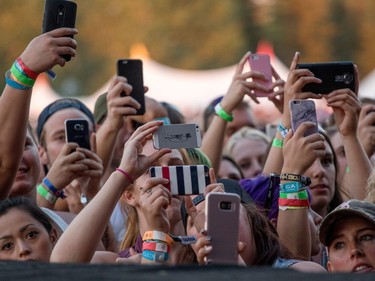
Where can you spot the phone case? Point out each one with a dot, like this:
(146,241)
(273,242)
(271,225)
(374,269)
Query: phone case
(183,180)
(222,224)
(302,111)
(57,14)
(261,63)
(133,71)
(77,130)
(334,76)
(177,136)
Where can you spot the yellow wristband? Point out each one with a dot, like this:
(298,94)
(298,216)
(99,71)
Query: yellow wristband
(157,236)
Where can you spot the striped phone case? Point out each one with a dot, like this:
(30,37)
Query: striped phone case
(183,180)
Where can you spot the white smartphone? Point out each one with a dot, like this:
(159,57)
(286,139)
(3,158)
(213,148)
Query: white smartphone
(177,136)
(222,225)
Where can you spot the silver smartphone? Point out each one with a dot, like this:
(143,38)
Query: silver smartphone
(177,136)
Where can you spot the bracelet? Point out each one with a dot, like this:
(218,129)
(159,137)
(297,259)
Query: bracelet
(282,130)
(293,177)
(46,194)
(156,247)
(277,143)
(19,76)
(198,199)
(293,203)
(157,236)
(30,73)
(125,174)
(53,189)
(185,240)
(301,195)
(155,256)
(289,187)
(14,84)
(222,114)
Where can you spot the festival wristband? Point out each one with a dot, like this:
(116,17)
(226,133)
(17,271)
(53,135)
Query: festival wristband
(293,202)
(21,77)
(293,186)
(14,84)
(30,73)
(222,113)
(185,240)
(293,177)
(157,236)
(156,246)
(302,195)
(46,194)
(282,130)
(155,256)
(53,189)
(277,143)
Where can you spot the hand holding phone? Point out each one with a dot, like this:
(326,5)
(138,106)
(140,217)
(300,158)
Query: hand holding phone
(77,130)
(303,111)
(177,136)
(334,76)
(133,71)
(261,63)
(183,180)
(57,14)
(222,224)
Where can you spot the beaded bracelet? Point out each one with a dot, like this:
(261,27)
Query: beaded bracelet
(53,189)
(222,113)
(46,194)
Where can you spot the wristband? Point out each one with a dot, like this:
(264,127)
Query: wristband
(293,177)
(198,199)
(157,236)
(14,84)
(293,203)
(302,195)
(293,186)
(222,114)
(156,247)
(277,143)
(125,174)
(282,130)
(166,120)
(21,77)
(185,240)
(46,194)
(155,256)
(53,189)
(30,73)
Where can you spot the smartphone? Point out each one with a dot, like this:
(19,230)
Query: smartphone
(261,63)
(334,76)
(133,71)
(177,136)
(183,180)
(303,111)
(271,130)
(222,225)
(57,14)
(77,130)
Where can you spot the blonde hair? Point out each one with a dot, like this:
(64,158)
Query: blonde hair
(245,133)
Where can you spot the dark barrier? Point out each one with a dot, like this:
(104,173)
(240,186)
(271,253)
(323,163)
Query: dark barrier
(35,271)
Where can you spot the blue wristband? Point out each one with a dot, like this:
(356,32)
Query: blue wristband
(282,130)
(155,256)
(53,189)
(293,186)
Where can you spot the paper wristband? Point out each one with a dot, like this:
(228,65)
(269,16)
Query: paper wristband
(293,202)
(294,186)
(277,143)
(284,208)
(295,195)
(158,236)
(46,194)
(155,256)
(156,247)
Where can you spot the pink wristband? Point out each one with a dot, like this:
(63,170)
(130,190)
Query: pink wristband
(125,174)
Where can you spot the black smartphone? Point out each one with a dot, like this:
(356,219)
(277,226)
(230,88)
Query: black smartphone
(334,76)
(77,130)
(57,14)
(133,71)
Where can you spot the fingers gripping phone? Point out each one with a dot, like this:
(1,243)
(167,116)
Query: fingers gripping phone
(77,130)
(177,136)
(302,111)
(334,76)
(261,63)
(57,14)
(133,71)
(183,180)
(222,224)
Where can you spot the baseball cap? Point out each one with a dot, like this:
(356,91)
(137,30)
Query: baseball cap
(347,209)
(59,105)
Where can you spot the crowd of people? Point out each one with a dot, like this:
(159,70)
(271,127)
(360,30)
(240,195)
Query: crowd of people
(307,201)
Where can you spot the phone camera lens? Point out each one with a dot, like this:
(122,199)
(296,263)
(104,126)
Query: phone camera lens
(348,78)
(225,205)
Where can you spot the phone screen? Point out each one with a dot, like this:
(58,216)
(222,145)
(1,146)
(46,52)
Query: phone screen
(132,70)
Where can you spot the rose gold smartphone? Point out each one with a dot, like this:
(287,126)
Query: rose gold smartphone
(261,63)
